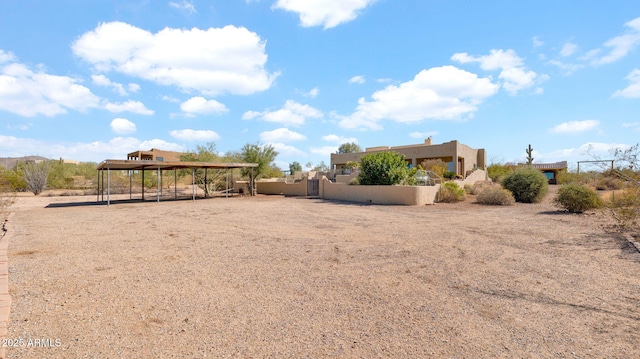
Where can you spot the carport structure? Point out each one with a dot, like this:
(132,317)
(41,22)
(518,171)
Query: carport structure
(137,165)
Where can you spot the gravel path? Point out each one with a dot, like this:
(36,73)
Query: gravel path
(290,277)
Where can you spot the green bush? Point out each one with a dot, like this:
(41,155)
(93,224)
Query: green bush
(495,196)
(354,182)
(382,168)
(527,184)
(577,198)
(450,192)
(497,172)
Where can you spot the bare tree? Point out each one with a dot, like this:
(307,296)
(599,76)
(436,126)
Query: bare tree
(35,176)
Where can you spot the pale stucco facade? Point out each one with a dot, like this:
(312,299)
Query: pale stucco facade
(461,158)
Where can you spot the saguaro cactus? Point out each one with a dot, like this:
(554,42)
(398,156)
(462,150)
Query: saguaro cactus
(529,155)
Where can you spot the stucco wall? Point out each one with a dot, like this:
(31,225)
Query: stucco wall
(298,188)
(404,195)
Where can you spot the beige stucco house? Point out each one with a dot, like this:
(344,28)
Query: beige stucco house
(461,158)
(155,155)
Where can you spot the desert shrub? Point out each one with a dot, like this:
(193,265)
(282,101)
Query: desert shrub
(626,207)
(527,184)
(468,189)
(450,192)
(480,186)
(497,172)
(354,181)
(382,168)
(495,196)
(449,175)
(35,175)
(577,198)
(436,166)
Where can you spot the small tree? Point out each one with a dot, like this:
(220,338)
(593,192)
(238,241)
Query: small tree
(204,178)
(382,168)
(527,184)
(263,155)
(294,167)
(351,147)
(35,176)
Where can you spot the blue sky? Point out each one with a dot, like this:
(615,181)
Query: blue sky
(91,80)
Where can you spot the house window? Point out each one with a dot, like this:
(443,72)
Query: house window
(160,159)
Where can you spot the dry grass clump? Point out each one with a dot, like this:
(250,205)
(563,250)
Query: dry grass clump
(481,186)
(450,192)
(496,196)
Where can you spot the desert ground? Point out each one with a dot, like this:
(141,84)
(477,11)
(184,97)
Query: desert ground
(274,276)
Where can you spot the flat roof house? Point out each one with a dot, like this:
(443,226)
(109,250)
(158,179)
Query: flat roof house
(460,157)
(155,155)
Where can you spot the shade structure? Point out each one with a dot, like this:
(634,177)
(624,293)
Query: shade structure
(138,165)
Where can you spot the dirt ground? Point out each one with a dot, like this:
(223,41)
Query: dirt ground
(292,277)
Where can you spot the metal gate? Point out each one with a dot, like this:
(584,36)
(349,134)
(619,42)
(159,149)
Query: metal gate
(313,187)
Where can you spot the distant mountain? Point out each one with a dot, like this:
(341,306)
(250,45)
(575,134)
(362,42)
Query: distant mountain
(10,162)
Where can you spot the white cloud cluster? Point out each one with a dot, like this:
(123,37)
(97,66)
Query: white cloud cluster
(326,13)
(129,106)
(618,46)
(184,5)
(281,135)
(513,73)
(28,93)
(292,114)
(201,106)
(359,79)
(438,93)
(339,139)
(575,126)
(123,126)
(82,151)
(195,135)
(213,61)
(568,49)
(102,80)
(633,90)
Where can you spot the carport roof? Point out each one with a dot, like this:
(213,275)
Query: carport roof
(167,165)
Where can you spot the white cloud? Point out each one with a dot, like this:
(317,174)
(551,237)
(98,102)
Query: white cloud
(568,49)
(423,135)
(313,93)
(281,135)
(618,46)
(632,125)
(537,42)
(195,135)
(575,126)
(514,75)
(567,68)
(633,90)
(359,79)
(438,93)
(286,150)
(6,56)
(122,126)
(28,93)
(96,151)
(328,13)
(384,80)
(102,80)
(201,106)
(184,5)
(292,114)
(213,61)
(325,151)
(129,106)
(339,139)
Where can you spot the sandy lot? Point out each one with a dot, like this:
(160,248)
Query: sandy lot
(292,277)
